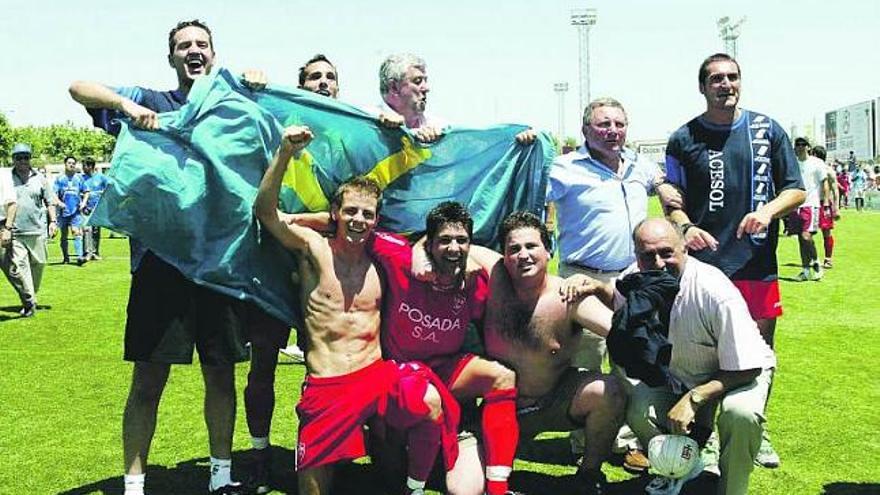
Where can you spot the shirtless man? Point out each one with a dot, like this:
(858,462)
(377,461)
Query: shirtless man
(341,293)
(534,329)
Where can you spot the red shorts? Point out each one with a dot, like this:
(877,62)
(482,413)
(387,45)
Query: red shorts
(809,216)
(826,218)
(332,411)
(762,298)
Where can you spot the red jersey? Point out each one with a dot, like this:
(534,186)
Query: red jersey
(420,322)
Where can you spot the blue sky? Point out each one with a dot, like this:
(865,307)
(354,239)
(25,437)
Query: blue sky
(488,62)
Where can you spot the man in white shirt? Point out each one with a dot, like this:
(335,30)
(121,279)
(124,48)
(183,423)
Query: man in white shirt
(7,222)
(814,175)
(717,353)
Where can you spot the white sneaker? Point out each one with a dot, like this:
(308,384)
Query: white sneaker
(294,353)
(817,276)
(803,276)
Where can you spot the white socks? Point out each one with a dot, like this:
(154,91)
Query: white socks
(134,484)
(221,473)
(415,486)
(260,443)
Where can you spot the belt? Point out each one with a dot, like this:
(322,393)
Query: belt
(591,269)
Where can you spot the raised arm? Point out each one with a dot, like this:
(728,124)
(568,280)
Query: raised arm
(291,235)
(95,95)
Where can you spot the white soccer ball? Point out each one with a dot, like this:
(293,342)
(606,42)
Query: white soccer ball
(673,456)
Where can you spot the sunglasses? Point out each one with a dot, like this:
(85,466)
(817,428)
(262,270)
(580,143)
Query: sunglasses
(21,156)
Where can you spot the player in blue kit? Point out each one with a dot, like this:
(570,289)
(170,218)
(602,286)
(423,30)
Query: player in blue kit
(71,191)
(738,175)
(96,183)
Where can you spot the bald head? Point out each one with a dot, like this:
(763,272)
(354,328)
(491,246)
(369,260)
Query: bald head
(659,246)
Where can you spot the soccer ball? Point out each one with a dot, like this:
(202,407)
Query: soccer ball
(673,456)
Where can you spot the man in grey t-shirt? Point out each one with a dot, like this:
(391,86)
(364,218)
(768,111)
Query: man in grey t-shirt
(26,254)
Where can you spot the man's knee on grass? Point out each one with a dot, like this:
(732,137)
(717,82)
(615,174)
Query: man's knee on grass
(603,393)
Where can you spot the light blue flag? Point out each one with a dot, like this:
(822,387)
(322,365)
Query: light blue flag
(186,192)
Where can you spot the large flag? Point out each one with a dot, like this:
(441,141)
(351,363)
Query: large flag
(186,191)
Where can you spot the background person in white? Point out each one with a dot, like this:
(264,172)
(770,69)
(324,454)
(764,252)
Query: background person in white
(717,352)
(27,253)
(7,222)
(816,187)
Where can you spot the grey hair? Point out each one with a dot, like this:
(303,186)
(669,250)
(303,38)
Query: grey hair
(602,102)
(394,69)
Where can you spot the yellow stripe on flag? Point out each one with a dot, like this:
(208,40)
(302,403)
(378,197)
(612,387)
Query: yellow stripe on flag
(408,158)
(300,177)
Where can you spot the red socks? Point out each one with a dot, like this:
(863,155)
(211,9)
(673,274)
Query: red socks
(829,246)
(423,441)
(500,435)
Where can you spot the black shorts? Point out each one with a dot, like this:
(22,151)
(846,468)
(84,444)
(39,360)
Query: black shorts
(169,315)
(550,412)
(265,331)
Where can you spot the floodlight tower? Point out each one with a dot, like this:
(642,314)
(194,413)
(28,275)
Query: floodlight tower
(729,32)
(560,89)
(584,20)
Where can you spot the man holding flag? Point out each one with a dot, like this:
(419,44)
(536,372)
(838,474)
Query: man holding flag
(169,314)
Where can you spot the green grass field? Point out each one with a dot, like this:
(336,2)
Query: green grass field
(63,385)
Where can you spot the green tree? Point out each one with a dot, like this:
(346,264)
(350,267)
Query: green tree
(5,139)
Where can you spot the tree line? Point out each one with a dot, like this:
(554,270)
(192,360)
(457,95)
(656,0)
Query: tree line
(52,143)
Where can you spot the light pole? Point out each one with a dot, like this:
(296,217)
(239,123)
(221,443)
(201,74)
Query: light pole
(560,89)
(729,32)
(584,20)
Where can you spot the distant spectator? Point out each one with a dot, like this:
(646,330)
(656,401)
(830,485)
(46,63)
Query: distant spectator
(814,175)
(71,191)
(27,254)
(829,212)
(95,183)
(852,163)
(859,179)
(843,186)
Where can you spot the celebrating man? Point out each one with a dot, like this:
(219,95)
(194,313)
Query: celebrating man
(168,314)
(348,381)
(717,354)
(531,327)
(738,174)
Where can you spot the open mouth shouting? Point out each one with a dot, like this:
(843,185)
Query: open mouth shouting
(195,63)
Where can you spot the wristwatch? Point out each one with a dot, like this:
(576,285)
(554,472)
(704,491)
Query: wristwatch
(697,399)
(685,227)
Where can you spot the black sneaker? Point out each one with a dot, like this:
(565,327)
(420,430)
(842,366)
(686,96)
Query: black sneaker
(81,261)
(593,481)
(232,489)
(260,476)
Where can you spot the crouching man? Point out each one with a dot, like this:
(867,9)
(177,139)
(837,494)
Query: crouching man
(534,329)
(717,353)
